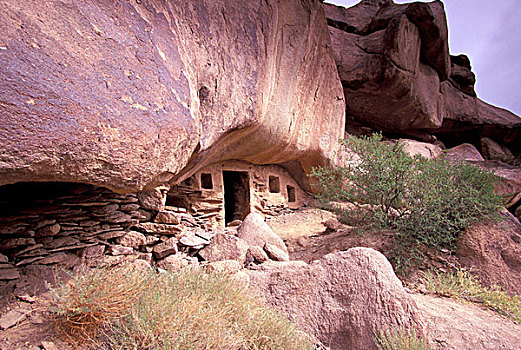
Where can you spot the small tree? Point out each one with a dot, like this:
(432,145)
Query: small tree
(424,201)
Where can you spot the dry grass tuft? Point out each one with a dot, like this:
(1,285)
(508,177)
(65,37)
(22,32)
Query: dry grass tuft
(81,306)
(398,339)
(186,310)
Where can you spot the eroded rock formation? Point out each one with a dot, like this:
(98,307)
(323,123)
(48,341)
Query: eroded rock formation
(341,299)
(394,64)
(493,251)
(127,94)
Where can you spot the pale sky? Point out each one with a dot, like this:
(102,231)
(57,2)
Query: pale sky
(489,32)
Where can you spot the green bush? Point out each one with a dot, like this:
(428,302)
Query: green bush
(121,308)
(426,202)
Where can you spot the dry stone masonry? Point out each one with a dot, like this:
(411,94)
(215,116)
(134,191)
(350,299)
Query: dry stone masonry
(67,224)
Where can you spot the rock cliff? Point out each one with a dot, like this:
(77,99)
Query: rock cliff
(127,94)
(398,76)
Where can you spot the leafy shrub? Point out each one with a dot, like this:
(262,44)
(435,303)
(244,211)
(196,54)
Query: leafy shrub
(461,284)
(398,339)
(426,202)
(186,310)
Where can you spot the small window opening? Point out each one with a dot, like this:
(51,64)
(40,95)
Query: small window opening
(291,194)
(206,181)
(274,183)
(176,201)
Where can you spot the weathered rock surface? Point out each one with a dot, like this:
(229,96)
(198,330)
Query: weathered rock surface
(165,248)
(303,222)
(454,325)
(510,183)
(493,251)
(424,149)
(124,94)
(11,318)
(391,62)
(225,247)
(468,119)
(255,232)
(461,74)
(256,254)
(340,299)
(394,64)
(494,151)
(275,253)
(465,151)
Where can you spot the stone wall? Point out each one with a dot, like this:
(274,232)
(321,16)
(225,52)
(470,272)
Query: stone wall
(69,224)
(206,205)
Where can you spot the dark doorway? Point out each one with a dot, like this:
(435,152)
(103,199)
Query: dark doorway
(236,195)
(291,194)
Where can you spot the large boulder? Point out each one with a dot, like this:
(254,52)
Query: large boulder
(391,59)
(493,251)
(255,232)
(424,149)
(494,151)
(453,325)
(468,119)
(225,247)
(342,299)
(124,93)
(509,185)
(465,151)
(394,64)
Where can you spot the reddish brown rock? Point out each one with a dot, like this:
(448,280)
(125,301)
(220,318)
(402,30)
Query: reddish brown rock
(177,262)
(461,74)
(509,185)
(468,119)
(132,239)
(391,62)
(124,94)
(493,251)
(456,325)
(160,229)
(225,247)
(51,230)
(256,254)
(394,64)
(10,273)
(153,199)
(465,151)
(255,232)
(275,253)
(168,217)
(165,248)
(341,299)
(494,151)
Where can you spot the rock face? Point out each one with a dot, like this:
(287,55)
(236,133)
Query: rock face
(453,325)
(340,299)
(509,185)
(465,151)
(256,232)
(493,250)
(124,94)
(426,150)
(391,59)
(394,64)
